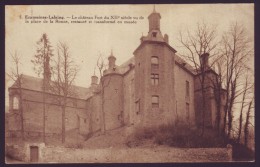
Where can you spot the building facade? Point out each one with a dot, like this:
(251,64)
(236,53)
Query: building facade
(154,87)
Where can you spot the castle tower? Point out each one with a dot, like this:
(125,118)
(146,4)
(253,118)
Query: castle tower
(210,76)
(113,96)
(154,77)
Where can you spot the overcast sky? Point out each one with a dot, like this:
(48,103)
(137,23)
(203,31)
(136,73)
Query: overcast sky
(87,41)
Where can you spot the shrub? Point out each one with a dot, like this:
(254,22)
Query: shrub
(74,145)
(176,136)
(242,153)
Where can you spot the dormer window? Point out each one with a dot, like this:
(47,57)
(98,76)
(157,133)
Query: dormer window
(15,103)
(154,34)
(155,62)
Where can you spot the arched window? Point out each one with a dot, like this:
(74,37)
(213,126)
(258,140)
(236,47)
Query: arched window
(155,101)
(155,62)
(15,103)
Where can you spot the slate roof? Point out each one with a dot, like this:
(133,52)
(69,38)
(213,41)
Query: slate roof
(184,64)
(125,66)
(35,84)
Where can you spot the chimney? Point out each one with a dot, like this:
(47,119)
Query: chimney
(166,38)
(94,80)
(204,59)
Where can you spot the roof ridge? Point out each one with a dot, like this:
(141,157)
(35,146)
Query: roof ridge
(35,84)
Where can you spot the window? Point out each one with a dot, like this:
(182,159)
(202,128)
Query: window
(187,111)
(15,103)
(155,79)
(187,89)
(155,62)
(154,34)
(155,101)
(137,106)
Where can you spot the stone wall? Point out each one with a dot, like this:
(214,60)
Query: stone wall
(22,152)
(184,115)
(33,114)
(95,107)
(144,89)
(129,98)
(113,101)
(136,155)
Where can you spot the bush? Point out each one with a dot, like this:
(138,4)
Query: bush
(140,137)
(176,136)
(74,145)
(146,133)
(242,153)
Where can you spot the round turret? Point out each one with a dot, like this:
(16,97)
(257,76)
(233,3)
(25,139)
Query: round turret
(113,100)
(112,85)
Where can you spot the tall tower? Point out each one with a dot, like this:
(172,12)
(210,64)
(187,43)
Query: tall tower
(154,77)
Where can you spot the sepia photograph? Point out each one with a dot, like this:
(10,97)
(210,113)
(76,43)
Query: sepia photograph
(129,83)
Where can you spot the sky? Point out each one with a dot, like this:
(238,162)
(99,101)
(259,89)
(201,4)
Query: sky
(88,41)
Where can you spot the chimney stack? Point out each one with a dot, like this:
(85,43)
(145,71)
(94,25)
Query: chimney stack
(166,38)
(204,58)
(111,61)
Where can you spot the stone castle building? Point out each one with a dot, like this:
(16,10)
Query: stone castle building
(154,87)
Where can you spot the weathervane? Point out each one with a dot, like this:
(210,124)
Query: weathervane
(154,8)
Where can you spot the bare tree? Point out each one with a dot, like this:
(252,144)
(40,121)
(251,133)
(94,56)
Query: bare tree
(202,41)
(247,86)
(41,63)
(235,50)
(16,76)
(65,72)
(246,128)
(218,92)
